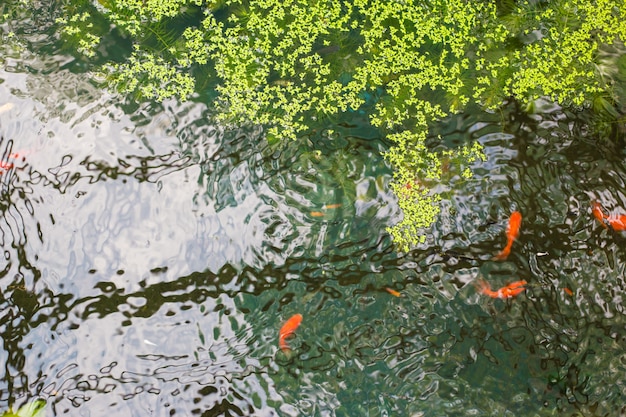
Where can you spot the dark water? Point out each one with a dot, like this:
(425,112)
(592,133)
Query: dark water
(150,257)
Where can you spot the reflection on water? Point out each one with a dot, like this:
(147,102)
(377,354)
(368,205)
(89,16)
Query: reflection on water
(150,257)
(144,257)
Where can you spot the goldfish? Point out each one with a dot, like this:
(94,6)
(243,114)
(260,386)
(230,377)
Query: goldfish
(331,206)
(7,165)
(512,231)
(598,213)
(287,330)
(568,291)
(509,291)
(617,222)
(393,292)
(324,207)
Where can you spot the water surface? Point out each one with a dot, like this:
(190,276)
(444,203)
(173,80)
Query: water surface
(151,255)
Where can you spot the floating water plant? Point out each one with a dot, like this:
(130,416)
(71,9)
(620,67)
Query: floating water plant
(283,64)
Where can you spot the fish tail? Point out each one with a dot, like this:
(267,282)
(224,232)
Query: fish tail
(282,343)
(282,340)
(483,286)
(504,253)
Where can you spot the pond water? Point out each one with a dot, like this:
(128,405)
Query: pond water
(151,256)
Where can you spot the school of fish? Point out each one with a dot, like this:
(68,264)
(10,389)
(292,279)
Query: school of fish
(615,222)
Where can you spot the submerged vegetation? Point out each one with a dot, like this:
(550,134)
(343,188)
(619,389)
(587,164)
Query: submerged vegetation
(35,408)
(286,64)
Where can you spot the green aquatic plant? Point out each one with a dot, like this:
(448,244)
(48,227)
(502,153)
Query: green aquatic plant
(71,28)
(151,76)
(285,64)
(416,169)
(32,409)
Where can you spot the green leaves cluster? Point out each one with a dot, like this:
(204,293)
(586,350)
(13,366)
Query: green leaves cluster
(559,58)
(154,77)
(272,66)
(284,63)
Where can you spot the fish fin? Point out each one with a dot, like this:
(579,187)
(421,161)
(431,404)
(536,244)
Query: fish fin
(502,255)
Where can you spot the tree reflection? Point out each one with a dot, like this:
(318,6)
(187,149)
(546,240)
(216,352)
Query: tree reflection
(19,277)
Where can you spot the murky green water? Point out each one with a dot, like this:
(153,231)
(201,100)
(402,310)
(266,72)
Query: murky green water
(150,257)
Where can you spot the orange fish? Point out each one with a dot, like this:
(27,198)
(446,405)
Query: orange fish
(598,213)
(568,291)
(512,231)
(509,291)
(617,222)
(393,292)
(331,206)
(287,330)
(324,207)
(7,165)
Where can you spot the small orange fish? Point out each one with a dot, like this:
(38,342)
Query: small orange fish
(509,291)
(317,214)
(617,222)
(8,164)
(287,330)
(512,231)
(568,291)
(331,206)
(393,292)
